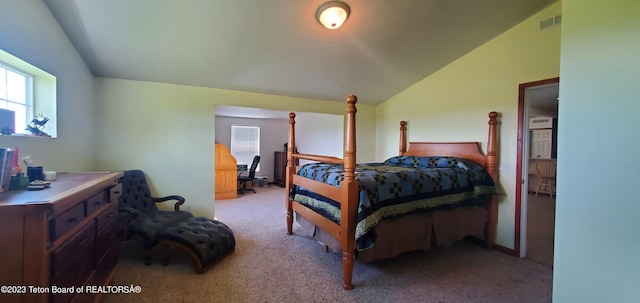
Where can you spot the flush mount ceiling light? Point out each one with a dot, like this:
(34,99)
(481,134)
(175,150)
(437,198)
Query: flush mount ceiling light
(332,14)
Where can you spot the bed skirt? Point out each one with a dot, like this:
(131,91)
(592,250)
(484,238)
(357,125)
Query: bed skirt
(410,233)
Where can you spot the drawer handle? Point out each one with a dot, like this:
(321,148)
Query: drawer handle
(72,220)
(116,192)
(97,203)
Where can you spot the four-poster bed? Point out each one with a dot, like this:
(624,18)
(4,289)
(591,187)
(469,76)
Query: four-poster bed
(430,193)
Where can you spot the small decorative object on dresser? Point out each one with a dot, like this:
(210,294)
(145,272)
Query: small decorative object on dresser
(37,125)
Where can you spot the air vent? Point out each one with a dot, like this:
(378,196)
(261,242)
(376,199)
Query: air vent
(557,19)
(547,23)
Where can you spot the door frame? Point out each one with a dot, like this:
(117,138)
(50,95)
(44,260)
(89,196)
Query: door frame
(519,239)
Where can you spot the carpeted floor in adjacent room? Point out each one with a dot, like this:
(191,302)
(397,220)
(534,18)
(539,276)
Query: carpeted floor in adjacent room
(541,214)
(271,266)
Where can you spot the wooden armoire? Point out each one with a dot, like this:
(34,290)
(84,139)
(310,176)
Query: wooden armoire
(226,174)
(279,168)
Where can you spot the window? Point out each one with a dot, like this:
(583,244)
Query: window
(245,143)
(31,93)
(16,93)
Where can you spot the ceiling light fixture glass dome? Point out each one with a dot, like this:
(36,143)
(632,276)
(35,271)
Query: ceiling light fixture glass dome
(333,14)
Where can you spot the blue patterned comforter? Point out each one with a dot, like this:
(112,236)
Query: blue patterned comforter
(398,186)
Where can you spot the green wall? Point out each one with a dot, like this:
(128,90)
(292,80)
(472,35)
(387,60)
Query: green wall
(597,209)
(453,103)
(32,34)
(168,131)
(162,128)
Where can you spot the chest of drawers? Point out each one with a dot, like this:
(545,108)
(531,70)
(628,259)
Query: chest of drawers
(60,237)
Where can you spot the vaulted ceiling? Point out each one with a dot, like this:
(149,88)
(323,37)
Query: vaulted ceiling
(278,47)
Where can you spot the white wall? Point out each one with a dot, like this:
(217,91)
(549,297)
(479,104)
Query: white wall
(597,208)
(273,134)
(320,134)
(30,33)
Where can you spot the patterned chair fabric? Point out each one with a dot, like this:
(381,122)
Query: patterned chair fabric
(139,216)
(208,241)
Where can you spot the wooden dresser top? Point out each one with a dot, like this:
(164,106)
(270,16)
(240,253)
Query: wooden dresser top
(66,188)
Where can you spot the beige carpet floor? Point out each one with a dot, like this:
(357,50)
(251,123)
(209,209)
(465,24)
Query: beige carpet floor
(271,266)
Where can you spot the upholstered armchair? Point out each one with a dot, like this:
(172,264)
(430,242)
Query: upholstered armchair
(139,216)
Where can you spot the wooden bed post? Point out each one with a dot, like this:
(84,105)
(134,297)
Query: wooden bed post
(403,137)
(290,170)
(349,205)
(492,163)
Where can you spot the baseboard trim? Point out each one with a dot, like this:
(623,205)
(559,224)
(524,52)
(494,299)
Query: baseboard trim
(497,247)
(506,250)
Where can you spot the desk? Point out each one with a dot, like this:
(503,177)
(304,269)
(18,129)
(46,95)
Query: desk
(226,174)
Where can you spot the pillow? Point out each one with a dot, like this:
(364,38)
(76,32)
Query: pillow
(405,161)
(443,162)
(462,164)
(438,161)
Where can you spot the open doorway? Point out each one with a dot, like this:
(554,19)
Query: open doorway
(535,214)
(273,135)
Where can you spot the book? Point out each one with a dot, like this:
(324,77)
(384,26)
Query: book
(3,155)
(7,166)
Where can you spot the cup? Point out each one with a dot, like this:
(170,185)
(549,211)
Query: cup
(49,175)
(35,173)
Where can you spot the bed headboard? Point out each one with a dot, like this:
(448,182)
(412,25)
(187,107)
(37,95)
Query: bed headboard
(465,150)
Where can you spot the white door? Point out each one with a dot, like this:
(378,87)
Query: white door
(541,144)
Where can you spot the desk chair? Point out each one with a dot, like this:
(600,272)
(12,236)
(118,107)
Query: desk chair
(249,178)
(546,171)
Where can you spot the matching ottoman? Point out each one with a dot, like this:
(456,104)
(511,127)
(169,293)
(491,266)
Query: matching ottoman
(206,241)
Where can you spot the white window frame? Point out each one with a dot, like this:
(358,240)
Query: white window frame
(244,154)
(20,122)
